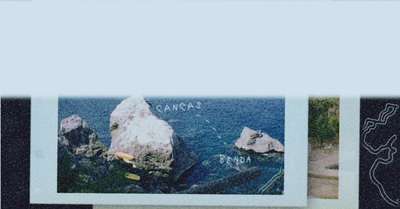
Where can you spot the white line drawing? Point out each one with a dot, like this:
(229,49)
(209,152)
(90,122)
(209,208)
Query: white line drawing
(269,183)
(371,124)
(200,116)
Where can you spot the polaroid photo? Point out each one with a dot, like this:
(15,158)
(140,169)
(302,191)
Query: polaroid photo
(333,152)
(136,150)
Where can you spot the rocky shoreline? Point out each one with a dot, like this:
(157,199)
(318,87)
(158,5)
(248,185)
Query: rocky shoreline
(156,158)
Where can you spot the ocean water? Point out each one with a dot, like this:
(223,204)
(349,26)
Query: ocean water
(209,126)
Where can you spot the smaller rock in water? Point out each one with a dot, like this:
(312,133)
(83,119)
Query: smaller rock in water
(258,142)
(77,136)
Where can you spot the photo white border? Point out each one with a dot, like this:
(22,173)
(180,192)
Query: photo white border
(43,182)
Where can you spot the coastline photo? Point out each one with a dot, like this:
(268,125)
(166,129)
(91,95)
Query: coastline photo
(323,150)
(168,145)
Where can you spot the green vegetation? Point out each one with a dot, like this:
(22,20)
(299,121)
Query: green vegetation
(92,177)
(66,176)
(323,120)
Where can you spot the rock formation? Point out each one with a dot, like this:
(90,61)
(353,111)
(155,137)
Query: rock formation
(77,136)
(135,130)
(258,142)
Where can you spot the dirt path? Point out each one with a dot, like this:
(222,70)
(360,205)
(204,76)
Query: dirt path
(322,181)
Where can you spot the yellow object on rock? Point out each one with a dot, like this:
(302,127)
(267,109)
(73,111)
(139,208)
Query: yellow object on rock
(131,162)
(132,176)
(124,156)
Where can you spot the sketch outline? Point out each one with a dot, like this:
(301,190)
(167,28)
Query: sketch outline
(371,124)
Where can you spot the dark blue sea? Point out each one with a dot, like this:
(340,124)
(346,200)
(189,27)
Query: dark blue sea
(209,126)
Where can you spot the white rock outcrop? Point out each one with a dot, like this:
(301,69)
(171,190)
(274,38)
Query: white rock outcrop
(258,142)
(77,136)
(135,130)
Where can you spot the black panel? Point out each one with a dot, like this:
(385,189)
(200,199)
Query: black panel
(15,156)
(379,153)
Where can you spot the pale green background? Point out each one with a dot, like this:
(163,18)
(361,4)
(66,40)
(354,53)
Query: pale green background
(201,47)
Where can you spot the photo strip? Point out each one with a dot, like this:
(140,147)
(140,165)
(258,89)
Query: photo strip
(333,152)
(133,150)
(323,147)
(379,155)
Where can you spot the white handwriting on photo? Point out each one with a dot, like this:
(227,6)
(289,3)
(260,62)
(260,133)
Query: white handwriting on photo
(178,107)
(227,159)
